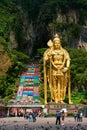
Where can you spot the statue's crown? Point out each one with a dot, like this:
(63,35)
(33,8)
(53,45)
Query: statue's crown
(56,37)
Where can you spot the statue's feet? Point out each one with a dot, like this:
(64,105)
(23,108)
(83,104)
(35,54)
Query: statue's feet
(70,102)
(62,102)
(45,102)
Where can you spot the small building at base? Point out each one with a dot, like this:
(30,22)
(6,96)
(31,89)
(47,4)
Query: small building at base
(15,109)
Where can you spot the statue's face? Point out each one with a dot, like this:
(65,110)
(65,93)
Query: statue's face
(57,44)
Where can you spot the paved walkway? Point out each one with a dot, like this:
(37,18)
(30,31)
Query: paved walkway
(19,123)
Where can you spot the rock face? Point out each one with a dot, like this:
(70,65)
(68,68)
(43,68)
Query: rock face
(13,41)
(27,31)
(5,61)
(84,34)
(34,33)
(83,39)
(82,45)
(70,17)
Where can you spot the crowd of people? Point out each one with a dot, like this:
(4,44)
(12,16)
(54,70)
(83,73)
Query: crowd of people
(31,116)
(78,116)
(60,117)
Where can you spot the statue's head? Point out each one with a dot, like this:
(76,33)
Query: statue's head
(56,42)
(56,38)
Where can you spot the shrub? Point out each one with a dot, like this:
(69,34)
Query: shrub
(70,114)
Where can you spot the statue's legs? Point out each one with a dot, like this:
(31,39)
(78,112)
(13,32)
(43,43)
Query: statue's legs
(55,91)
(58,87)
(62,89)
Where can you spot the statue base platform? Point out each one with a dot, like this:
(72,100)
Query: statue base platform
(53,107)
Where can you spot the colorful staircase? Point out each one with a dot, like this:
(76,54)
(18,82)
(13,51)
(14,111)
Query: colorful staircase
(28,89)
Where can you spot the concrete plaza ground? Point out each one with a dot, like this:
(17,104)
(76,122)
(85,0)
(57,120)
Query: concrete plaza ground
(19,123)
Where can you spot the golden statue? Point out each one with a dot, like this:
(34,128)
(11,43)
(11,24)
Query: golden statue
(57,75)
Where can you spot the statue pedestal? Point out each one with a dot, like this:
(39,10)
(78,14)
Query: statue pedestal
(53,107)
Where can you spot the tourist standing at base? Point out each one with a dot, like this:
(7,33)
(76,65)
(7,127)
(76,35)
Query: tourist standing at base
(62,117)
(34,116)
(58,117)
(80,116)
(75,116)
(30,117)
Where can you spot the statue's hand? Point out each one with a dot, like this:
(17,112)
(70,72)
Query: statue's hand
(65,69)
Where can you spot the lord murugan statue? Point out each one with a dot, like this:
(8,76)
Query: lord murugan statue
(56,71)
